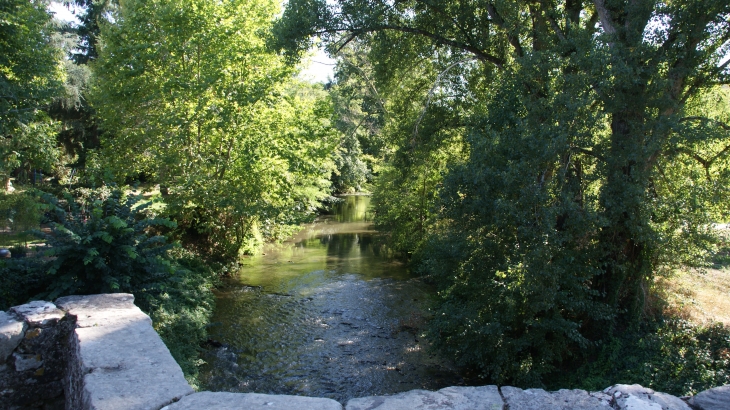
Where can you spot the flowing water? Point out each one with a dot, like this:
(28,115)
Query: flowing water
(325,314)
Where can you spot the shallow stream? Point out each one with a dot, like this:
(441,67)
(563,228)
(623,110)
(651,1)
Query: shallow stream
(325,314)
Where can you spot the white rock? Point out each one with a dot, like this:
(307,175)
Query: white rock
(128,367)
(634,403)
(632,397)
(120,359)
(38,313)
(717,398)
(102,310)
(459,397)
(236,401)
(11,333)
(606,399)
(25,362)
(539,399)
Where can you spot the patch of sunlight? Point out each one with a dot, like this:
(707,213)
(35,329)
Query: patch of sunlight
(699,297)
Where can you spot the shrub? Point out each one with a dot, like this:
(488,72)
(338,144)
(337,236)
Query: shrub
(107,245)
(182,311)
(105,241)
(20,213)
(671,355)
(20,279)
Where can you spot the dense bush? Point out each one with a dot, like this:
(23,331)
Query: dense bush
(103,241)
(182,311)
(20,213)
(672,356)
(20,280)
(107,245)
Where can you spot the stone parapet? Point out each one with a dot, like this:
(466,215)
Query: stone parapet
(717,398)
(118,361)
(457,398)
(236,401)
(101,352)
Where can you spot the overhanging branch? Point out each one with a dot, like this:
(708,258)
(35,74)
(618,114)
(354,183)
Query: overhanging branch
(478,53)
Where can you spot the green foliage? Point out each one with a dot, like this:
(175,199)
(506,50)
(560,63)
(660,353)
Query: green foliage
(595,159)
(20,212)
(30,76)
(359,116)
(408,128)
(181,312)
(351,171)
(197,102)
(20,280)
(106,245)
(672,356)
(106,242)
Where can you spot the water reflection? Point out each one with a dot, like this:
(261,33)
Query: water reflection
(326,314)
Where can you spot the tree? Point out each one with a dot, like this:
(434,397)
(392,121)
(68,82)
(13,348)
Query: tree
(30,76)
(80,134)
(550,233)
(197,101)
(359,116)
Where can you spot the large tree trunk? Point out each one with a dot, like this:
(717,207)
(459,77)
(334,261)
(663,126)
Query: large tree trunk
(626,231)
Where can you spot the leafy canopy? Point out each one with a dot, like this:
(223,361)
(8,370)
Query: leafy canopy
(197,101)
(30,76)
(593,160)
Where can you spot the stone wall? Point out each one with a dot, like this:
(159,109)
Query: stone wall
(101,352)
(33,356)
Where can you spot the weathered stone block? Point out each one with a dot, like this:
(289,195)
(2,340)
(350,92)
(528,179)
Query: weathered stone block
(235,401)
(717,398)
(459,398)
(25,362)
(102,310)
(123,366)
(637,397)
(539,399)
(11,333)
(39,313)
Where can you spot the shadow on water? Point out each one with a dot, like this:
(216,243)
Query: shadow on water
(325,314)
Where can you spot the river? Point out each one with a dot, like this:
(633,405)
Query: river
(328,314)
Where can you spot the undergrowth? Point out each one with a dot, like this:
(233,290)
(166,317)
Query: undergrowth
(670,355)
(104,241)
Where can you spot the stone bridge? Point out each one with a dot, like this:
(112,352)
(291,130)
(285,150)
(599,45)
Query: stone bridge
(101,352)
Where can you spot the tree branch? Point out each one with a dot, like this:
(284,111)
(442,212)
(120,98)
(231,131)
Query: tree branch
(605,17)
(430,96)
(705,164)
(370,84)
(499,21)
(701,79)
(719,154)
(347,41)
(452,19)
(479,54)
(553,24)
